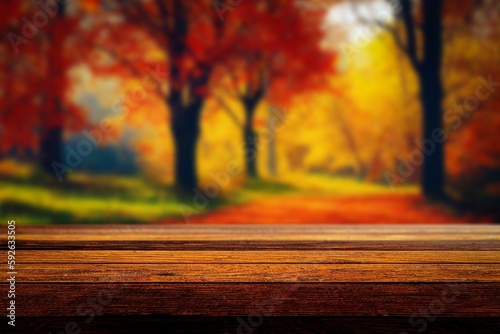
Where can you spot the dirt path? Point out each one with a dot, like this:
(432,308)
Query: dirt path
(397,209)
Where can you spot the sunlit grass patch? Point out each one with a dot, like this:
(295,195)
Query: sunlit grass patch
(30,197)
(342,186)
(255,189)
(44,205)
(87,199)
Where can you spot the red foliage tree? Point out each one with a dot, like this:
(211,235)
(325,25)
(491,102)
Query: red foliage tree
(36,57)
(277,53)
(190,34)
(200,36)
(20,74)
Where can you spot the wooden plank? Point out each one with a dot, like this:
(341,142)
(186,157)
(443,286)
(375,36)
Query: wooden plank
(307,271)
(251,256)
(195,237)
(255,325)
(179,273)
(408,245)
(277,299)
(264,237)
(231,230)
(192,237)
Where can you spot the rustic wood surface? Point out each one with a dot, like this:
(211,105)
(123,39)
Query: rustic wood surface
(275,325)
(334,272)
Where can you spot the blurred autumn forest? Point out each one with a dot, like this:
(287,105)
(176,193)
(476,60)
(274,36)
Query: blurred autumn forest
(319,111)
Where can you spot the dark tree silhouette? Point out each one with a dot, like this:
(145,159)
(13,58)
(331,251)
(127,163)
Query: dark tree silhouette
(427,65)
(52,120)
(191,35)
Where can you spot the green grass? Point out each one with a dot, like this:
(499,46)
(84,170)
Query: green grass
(34,204)
(30,197)
(319,184)
(255,189)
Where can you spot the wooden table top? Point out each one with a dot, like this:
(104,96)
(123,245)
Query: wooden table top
(348,271)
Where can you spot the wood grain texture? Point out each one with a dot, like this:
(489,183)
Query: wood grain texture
(256,273)
(266,299)
(259,233)
(342,272)
(275,325)
(251,256)
(232,230)
(477,245)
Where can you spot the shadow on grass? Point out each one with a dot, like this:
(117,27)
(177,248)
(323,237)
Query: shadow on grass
(126,188)
(13,208)
(33,214)
(265,186)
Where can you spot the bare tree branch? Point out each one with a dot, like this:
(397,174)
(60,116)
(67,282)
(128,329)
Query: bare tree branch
(227,109)
(411,46)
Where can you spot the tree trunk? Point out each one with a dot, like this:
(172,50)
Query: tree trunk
(351,142)
(51,139)
(431,95)
(250,138)
(271,147)
(250,150)
(185,131)
(51,136)
(50,148)
(431,92)
(433,167)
